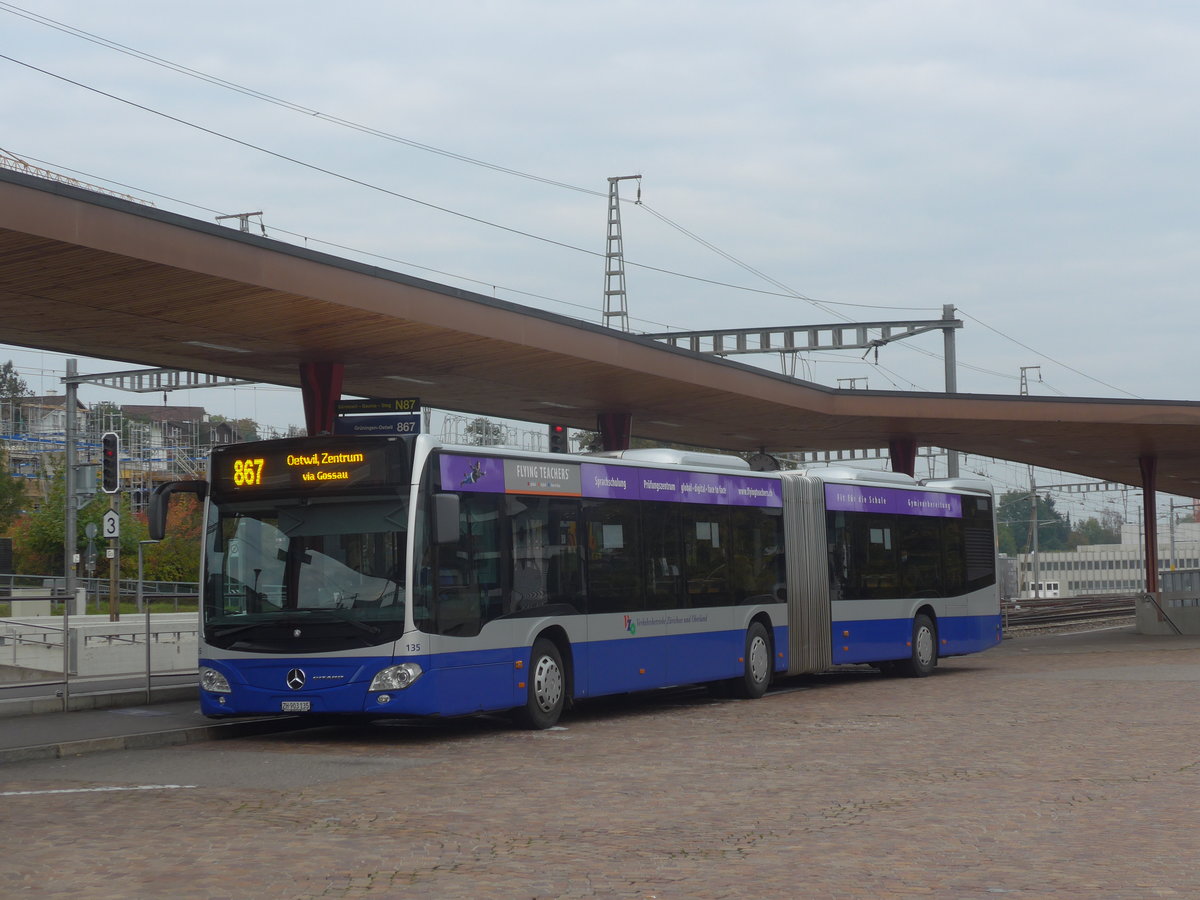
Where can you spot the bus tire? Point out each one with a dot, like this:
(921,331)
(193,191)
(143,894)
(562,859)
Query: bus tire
(756,671)
(924,656)
(546,687)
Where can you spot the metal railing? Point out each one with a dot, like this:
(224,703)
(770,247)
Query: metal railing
(68,650)
(48,638)
(56,585)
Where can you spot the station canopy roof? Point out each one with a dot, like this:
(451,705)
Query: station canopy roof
(85,274)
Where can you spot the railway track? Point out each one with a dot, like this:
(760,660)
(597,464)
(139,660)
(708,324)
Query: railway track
(1057,610)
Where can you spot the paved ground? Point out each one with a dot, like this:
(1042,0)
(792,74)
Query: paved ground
(1050,767)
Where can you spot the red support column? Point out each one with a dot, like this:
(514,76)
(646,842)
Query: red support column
(903,453)
(614,430)
(1149,465)
(320,386)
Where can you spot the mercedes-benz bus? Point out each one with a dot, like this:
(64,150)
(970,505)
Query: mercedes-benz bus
(396,576)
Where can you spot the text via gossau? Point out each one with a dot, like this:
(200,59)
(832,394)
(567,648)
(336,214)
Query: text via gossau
(325,475)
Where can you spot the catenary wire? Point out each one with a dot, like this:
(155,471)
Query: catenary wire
(786,291)
(388,191)
(366,129)
(295,107)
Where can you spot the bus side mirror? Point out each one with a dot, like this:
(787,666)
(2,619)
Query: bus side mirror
(445,518)
(156,513)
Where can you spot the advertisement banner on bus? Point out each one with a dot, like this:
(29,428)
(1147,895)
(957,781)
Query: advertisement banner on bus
(860,498)
(596,480)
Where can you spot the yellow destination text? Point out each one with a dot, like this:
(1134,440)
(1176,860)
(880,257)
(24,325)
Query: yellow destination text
(324,458)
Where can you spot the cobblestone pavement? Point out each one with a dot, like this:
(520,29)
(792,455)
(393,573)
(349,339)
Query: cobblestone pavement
(1049,767)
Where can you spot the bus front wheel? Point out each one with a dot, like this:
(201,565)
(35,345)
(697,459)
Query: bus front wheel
(546,687)
(924,656)
(756,673)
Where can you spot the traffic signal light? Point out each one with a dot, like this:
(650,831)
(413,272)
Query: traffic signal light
(110,462)
(558,439)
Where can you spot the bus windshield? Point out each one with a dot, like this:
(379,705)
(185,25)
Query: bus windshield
(312,576)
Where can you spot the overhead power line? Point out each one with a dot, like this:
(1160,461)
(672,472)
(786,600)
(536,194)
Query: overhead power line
(784,291)
(1046,356)
(309,112)
(350,179)
(280,102)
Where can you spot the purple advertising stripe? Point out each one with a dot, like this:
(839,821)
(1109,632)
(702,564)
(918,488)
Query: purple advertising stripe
(486,474)
(610,482)
(473,473)
(629,483)
(857,498)
(754,491)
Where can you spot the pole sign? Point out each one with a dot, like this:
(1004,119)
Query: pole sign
(398,415)
(380,425)
(394,405)
(112,524)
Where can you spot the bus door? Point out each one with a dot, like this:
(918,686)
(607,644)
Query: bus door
(461,601)
(706,642)
(626,648)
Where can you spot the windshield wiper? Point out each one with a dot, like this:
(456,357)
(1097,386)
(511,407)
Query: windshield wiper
(220,631)
(306,617)
(339,617)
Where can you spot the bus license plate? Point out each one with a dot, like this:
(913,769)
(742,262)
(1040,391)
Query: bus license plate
(295,705)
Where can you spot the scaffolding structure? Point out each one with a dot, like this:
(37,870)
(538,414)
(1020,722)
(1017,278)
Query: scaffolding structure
(34,442)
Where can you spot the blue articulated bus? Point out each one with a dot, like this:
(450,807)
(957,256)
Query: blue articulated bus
(395,576)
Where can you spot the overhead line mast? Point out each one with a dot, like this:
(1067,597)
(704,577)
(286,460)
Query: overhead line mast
(615,305)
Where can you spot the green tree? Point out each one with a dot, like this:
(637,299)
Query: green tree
(12,385)
(482,432)
(105,415)
(1106,530)
(12,495)
(244,429)
(39,535)
(588,441)
(1012,516)
(12,389)
(177,556)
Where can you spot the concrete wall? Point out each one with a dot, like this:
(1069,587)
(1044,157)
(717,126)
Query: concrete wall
(98,646)
(1180,608)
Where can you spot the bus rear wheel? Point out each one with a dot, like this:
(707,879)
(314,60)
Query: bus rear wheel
(924,656)
(756,673)
(546,688)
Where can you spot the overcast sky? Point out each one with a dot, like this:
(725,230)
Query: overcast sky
(1030,163)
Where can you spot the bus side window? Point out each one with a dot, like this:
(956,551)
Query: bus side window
(546,566)
(706,540)
(758,575)
(920,556)
(664,556)
(613,567)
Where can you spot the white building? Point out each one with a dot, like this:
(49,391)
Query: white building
(1110,568)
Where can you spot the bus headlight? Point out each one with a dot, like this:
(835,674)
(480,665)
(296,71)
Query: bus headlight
(396,678)
(213,681)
